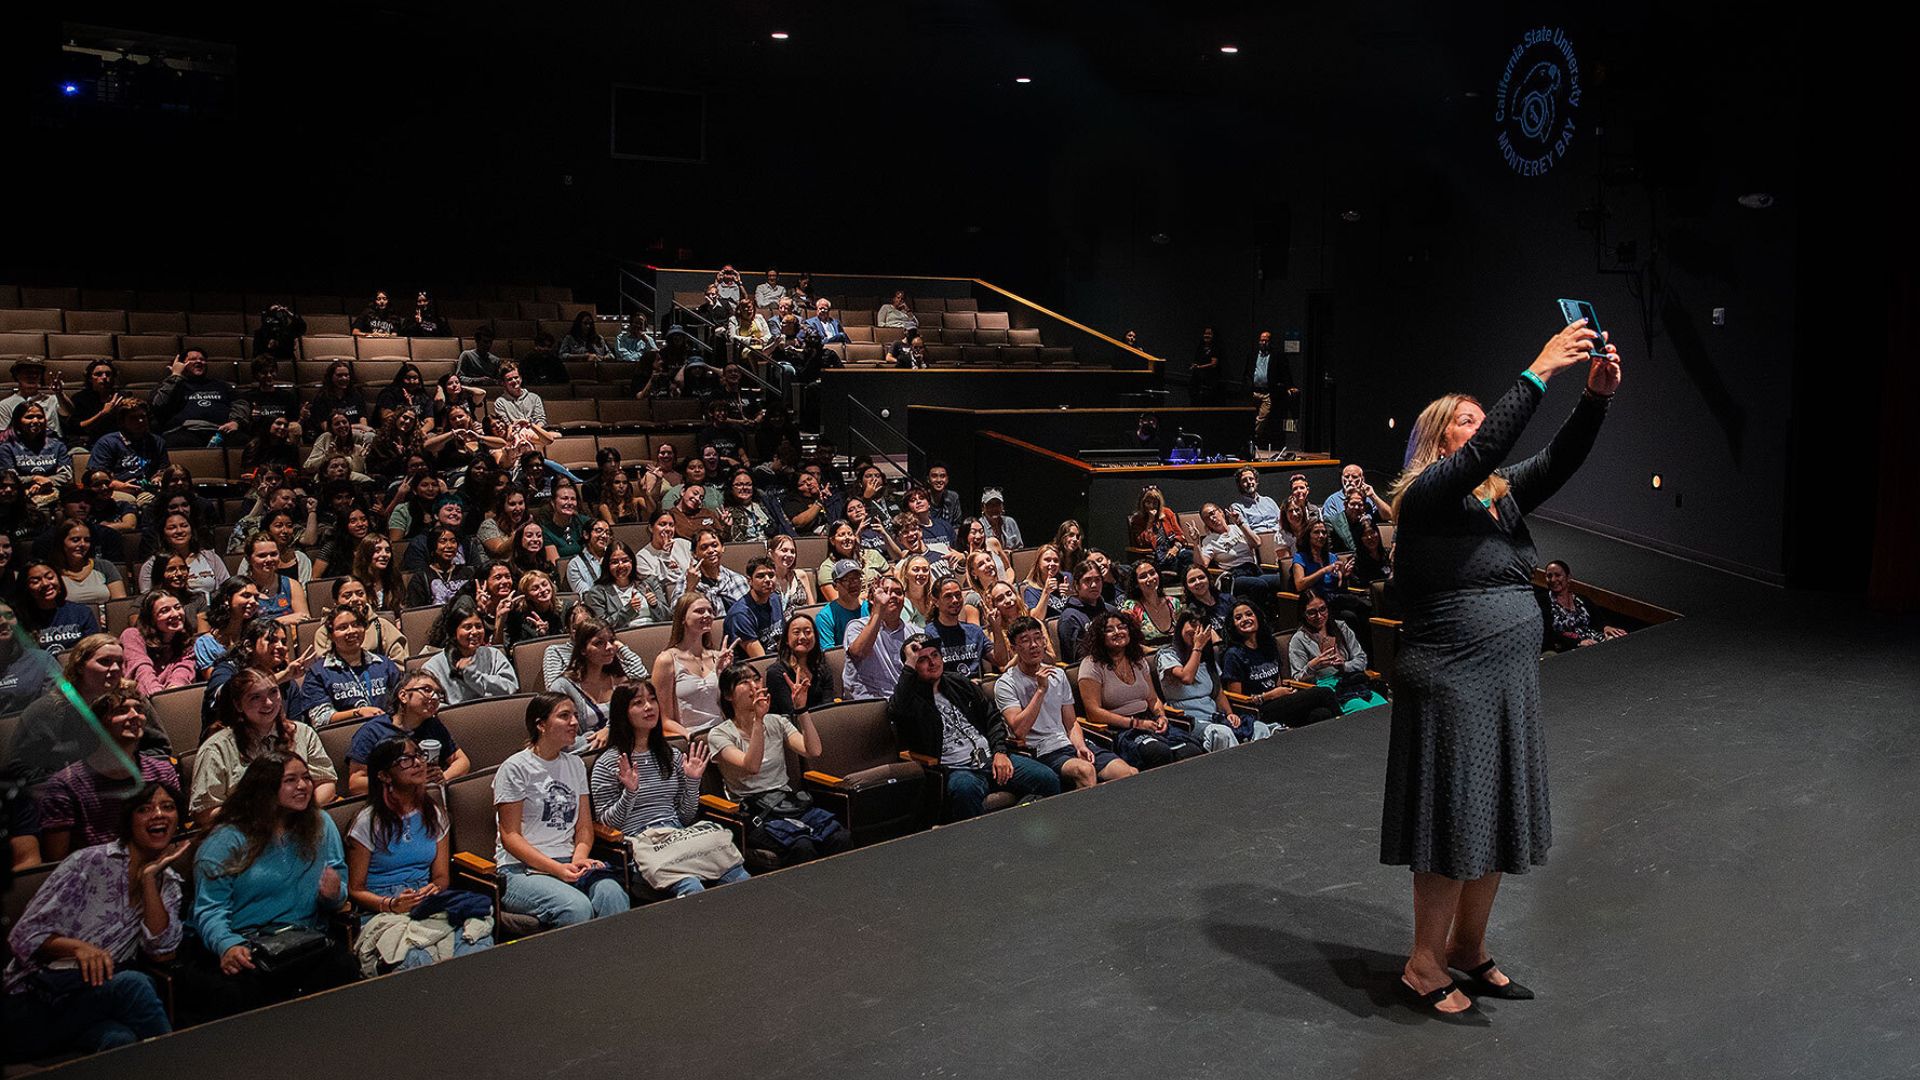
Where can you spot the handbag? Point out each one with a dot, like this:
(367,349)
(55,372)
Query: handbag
(785,803)
(285,948)
(666,854)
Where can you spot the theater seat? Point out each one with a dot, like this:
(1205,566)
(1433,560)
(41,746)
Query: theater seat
(866,354)
(1023,335)
(96,322)
(859,773)
(227,321)
(79,346)
(979,356)
(943,355)
(328,323)
(1020,355)
(994,320)
(923,305)
(536,310)
(490,730)
(217,347)
(31,320)
(963,303)
(15,345)
(106,299)
(958,320)
(157,322)
(380,349)
(324,348)
(984,336)
(1058,356)
(148,346)
(472,830)
(57,296)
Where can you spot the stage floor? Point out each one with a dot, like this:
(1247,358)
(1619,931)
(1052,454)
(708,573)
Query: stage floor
(1733,893)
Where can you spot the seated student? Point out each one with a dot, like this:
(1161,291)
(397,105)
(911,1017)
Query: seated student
(537,610)
(25,669)
(257,407)
(1148,605)
(191,406)
(635,343)
(30,375)
(709,576)
(39,458)
(102,908)
(398,874)
(1155,527)
(750,747)
(591,673)
(449,512)
(1318,569)
(466,665)
(651,792)
(1229,545)
(263,646)
(619,596)
(252,721)
(1570,623)
(1116,688)
(558,655)
(943,715)
(179,535)
(1190,679)
(348,683)
(80,805)
(235,603)
(479,364)
(936,531)
(873,664)
(583,567)
(132,456)
(544,854)
(271,868)
(413,712)
(382,638)
(830,624)
(1325,652)
(963,645)
(378,319)
(54,733)
(89,580)
(54,621)
(843,543)
(583,341)
(1253,667)
(159,645)
(1298,512)
(1036,701)
(105,506)
(1089,590)
(754,620)
(279,597)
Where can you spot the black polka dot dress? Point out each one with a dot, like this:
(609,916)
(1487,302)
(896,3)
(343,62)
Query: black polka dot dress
(1466,790)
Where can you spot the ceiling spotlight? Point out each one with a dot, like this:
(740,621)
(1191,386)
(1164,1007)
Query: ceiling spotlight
(779,35)
(1349,215)
(1657,481)
(1758,200)
(70,89)
(1389,423)
(1022,80)
(1230,49)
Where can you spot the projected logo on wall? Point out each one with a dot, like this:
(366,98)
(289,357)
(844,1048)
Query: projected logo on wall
(1538,95)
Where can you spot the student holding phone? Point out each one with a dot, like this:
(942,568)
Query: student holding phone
(1466,790)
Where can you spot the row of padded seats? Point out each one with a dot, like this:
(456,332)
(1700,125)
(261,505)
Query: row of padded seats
(968,355)
(305,375)
(120,321)
(858,310)
(502,301)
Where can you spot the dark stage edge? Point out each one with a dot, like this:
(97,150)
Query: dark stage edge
(1733,893)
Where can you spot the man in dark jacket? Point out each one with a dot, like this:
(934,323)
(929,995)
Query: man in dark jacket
(946,719)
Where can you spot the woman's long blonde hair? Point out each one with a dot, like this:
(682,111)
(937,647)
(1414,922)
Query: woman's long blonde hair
(1428,432)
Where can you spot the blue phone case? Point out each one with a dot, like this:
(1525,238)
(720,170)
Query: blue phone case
(1574,311)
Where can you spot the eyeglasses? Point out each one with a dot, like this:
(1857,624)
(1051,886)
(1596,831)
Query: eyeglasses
(427,691)
(410,758)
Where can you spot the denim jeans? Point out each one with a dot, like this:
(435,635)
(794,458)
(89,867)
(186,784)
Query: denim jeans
(967,789)
(120,1012)
(557,903)
(691,885)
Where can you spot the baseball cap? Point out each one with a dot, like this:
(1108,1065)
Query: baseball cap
(844,567)
(991,494)
(28,364)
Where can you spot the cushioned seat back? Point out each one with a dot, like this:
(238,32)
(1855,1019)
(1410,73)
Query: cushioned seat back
(491,730)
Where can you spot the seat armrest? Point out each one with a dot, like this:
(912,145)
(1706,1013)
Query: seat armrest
(719,805)
(472,863)
(607,834)
(824,779)
(925,761)
(1297,684)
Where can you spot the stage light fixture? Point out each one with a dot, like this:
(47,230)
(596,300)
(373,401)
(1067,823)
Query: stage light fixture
(779,35)
(1349,216)
(1389,423)
(1657,481)
(70,89)
(1022,80)
(1758,200)
(1230,50)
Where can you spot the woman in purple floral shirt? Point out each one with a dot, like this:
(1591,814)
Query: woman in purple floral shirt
(67,984)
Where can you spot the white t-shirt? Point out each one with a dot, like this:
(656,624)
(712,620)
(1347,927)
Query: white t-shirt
(549,793)
(1015,689)
(874,676)
(1228,549)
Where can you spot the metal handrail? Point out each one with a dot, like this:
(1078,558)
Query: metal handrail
(897,433)
(623,276)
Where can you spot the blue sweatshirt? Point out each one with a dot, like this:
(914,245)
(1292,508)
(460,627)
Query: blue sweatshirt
(331,686)
(281,887)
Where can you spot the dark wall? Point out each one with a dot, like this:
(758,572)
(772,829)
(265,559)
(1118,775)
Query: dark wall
(1142,180)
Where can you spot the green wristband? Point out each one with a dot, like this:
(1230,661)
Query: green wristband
(1535,380)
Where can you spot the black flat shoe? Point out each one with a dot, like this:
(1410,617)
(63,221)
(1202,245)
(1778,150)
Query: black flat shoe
(1430,1001)
(1478,986)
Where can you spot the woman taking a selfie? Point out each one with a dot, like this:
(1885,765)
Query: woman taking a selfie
(1466,792)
